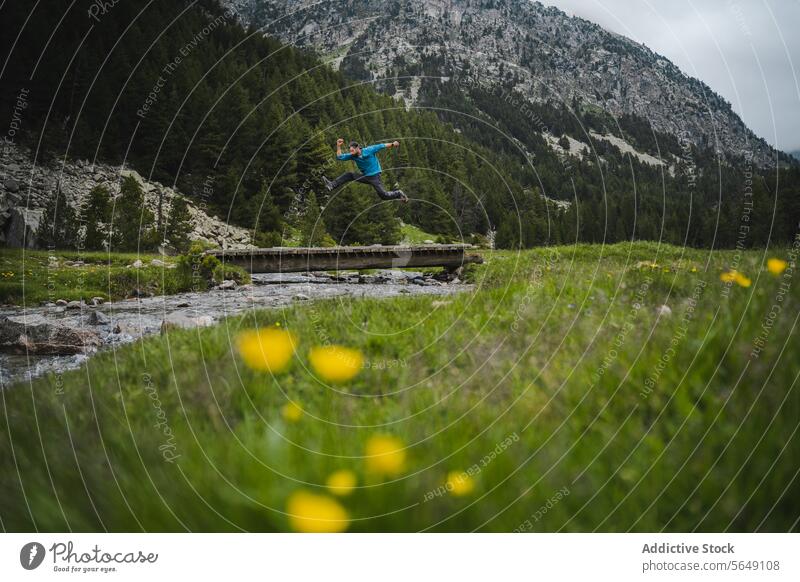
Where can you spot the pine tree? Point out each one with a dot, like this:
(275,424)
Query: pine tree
(132,222)
(58,228)
(179,224)
(98,216)
(267,215)
(312,225)
(313,161)
(356,215)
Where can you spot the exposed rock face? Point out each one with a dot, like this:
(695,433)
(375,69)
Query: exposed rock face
(26,188)
(545,54)
(21,227)
(35,334)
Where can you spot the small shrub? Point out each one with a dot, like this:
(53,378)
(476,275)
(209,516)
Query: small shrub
(196,269)
(268,239)
(226,271)
(479,241)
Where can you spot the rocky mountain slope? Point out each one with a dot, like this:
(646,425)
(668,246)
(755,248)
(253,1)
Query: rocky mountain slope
(25,189)
(539,51)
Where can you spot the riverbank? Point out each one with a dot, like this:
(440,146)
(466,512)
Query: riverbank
(30,277)
(642,387)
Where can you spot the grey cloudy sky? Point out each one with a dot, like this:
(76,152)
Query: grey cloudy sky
(748,51)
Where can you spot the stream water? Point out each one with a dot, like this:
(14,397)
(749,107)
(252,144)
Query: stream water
(125,321)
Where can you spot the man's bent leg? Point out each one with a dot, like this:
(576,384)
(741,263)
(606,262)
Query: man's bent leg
(376,182)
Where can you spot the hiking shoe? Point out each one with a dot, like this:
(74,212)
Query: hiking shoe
(328,183)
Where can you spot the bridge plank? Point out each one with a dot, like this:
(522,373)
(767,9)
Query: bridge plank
(299,259)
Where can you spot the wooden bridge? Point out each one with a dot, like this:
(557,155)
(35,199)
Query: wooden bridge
(306,259)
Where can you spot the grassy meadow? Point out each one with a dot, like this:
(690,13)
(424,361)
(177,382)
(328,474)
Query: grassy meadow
(559,395)
(28,277)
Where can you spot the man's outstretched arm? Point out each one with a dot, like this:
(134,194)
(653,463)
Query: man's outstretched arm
(379,146)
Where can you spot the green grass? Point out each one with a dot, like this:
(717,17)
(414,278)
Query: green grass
(554,350)
(412,235)
(26,277)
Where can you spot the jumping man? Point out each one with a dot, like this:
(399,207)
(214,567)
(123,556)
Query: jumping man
(367,161)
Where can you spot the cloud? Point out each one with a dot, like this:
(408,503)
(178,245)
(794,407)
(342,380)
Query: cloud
(745,50)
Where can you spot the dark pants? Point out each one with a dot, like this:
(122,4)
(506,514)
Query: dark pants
(374,181)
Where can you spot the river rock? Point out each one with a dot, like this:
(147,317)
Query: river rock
(34,334)
(74,305)
(185,321)
(11,185)
(98,318)
(227,285)
(98,300)
(137,264)
(61,302)
(300,297)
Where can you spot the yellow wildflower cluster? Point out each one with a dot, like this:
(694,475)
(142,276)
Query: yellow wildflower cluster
(318,513)
(734,276)
(271,350)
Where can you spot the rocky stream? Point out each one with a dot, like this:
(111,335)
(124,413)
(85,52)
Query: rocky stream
(59,337)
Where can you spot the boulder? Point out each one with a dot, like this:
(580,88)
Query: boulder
(11,185)
(22,226)
(37,335)
(74,305)
(227,285)
(98,318)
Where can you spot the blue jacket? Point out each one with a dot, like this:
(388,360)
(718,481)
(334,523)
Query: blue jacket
(367,162)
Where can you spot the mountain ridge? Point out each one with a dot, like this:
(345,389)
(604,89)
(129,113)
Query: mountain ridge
(539,51)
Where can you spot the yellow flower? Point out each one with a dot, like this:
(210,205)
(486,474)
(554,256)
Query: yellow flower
(385,455)
(735,276)
(341,482)
(459,483)
(336,363)
(270,350)
(694,269)
(291,412)
(776,266)
(312,513)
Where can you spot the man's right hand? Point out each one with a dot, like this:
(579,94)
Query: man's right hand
(339,142)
